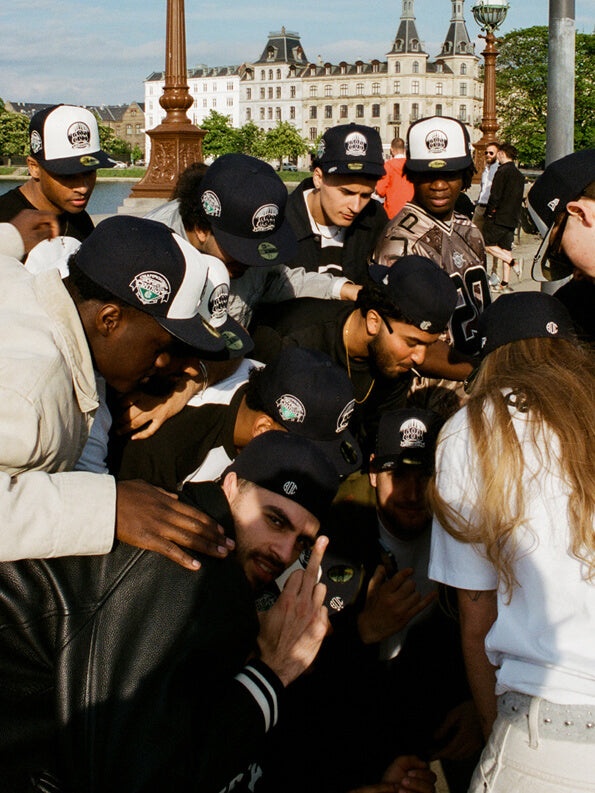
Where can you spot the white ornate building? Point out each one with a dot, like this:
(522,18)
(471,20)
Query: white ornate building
(283,85)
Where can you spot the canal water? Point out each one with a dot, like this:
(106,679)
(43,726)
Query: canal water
(106,198)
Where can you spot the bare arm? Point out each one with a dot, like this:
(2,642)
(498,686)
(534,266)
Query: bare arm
(442,360)
(35,226)
(478,612)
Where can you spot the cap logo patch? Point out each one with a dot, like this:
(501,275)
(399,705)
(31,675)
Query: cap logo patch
(425,325)
(321,148)
(290,488)
(413,433)
(341,573)
(290,408)
(458,260)
(553,203)
(79,135)
(267,251)
(265,218)
(36,142)
(437,164)
(436,141)
(218,303)
(552,328)
(150,287)
(345,416)
(356,145)
(87,160)
(211,204)
(336,603)
(232,342)
(355,166)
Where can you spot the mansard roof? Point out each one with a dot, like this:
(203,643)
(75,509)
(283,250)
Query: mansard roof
(344,68)
(407,40)
(283,47)
(201,71)
(457,40)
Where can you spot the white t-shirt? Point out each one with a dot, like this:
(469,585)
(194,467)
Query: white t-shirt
(543,640)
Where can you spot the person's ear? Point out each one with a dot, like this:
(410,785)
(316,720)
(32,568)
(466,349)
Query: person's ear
(263,423)
(582,211)
(373,323)
(317,178)
(202,235)
(108,319)
(372,474)
(33,167)
(230,486)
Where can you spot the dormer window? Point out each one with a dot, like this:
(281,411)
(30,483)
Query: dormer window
(415,45)
(415,67)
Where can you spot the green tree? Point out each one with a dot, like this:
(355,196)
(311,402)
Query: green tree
(252,140)
(521,80)
(14,134)
(284,141)
(136,153)
(221,137)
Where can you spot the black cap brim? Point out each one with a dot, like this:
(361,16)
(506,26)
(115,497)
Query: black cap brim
(343,452)
(68,166)
(259,251)
(439,165)
(195,332)
(238,341)
(353,168)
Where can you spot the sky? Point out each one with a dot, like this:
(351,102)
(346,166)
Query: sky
(77,52)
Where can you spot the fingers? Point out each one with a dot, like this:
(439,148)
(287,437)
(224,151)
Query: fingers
(312,572)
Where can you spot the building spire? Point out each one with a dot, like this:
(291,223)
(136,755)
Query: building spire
(407,39)
(457,40)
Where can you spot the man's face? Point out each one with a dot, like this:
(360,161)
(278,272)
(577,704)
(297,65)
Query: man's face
(63,193)
(271,530)
(491,154)
(394,353)
(437,193)
(401,500)
(133,349)
(340,198)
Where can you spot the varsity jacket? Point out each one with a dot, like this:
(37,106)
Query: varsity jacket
(359,241)
(128,673)
(48,398)
(260,284)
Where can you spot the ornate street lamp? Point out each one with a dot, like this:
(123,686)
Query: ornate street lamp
(489,15)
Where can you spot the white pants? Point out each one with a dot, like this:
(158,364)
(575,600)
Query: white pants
(529,753)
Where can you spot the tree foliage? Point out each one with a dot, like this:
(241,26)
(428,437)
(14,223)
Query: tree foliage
(521,80)
(221,137)
(284,141)
(14,134)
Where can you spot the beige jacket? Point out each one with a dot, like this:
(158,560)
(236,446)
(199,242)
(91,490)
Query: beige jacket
(48,398)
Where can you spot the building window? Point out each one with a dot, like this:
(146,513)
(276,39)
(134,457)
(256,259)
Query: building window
(204,102)
(343,90)
(205,86)
(414,111)
(262,112)
(230,101)
(312,111)
(397,67)
(292,91)
(129,129)
(270,74)
(313,133)
(343,111)
(375,111)
(359,89)
(270,112)
(397,87)
(248,93)
(278,92)
(415,69)
(262,74)
(415,46)
(359,111)
(292,112)
(138,129)
(439,68)
(248,113)
(463,113)
(278,113)
(343,68)
(214,102)
(313,90)
(397,112)
(375,89)
(312,71)
(375,67)
(328,90)
(463,89)
(415,87)
(328,111)
(270,92)
(438,110)
(230,86)
(463,68)
(438,89)
(263,92)
(278,74)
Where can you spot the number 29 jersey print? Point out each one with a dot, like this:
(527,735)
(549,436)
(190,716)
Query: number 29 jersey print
(455,245)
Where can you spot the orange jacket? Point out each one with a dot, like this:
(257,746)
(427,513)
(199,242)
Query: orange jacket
(394,186)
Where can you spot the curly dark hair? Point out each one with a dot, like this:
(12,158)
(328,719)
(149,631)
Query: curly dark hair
(187,191)
(373,297)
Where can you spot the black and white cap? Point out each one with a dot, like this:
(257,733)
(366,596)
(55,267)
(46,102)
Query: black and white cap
(244,201)
(406,437)
(291,466)
(561,182)
(64,139)
(151,268)
(351,149)
(421,289)
(309,395)
(438,143)
(524,315)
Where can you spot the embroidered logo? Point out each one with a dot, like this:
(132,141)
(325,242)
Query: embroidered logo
(265,218)
(413,434)
(356,144)
(79,135)
(436,141)
(150,287)
(268,251)
(425,325)
(321,148)
(232,342)
(87,160)
(553,203)
(458,260)
(552,328)
(218,304)
(337,603)
(437,163)
(36,142)
(290,488)
(290,408)
(211,204)
(345,416)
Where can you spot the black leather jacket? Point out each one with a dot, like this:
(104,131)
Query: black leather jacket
(117,672)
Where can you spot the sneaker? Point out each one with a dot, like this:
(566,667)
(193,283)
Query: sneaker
(517,266)
(500,288)
(493,279)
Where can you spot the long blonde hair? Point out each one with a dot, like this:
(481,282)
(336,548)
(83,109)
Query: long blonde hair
(553,382)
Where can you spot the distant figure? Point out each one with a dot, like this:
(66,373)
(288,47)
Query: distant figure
(395,187)
(487,177)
